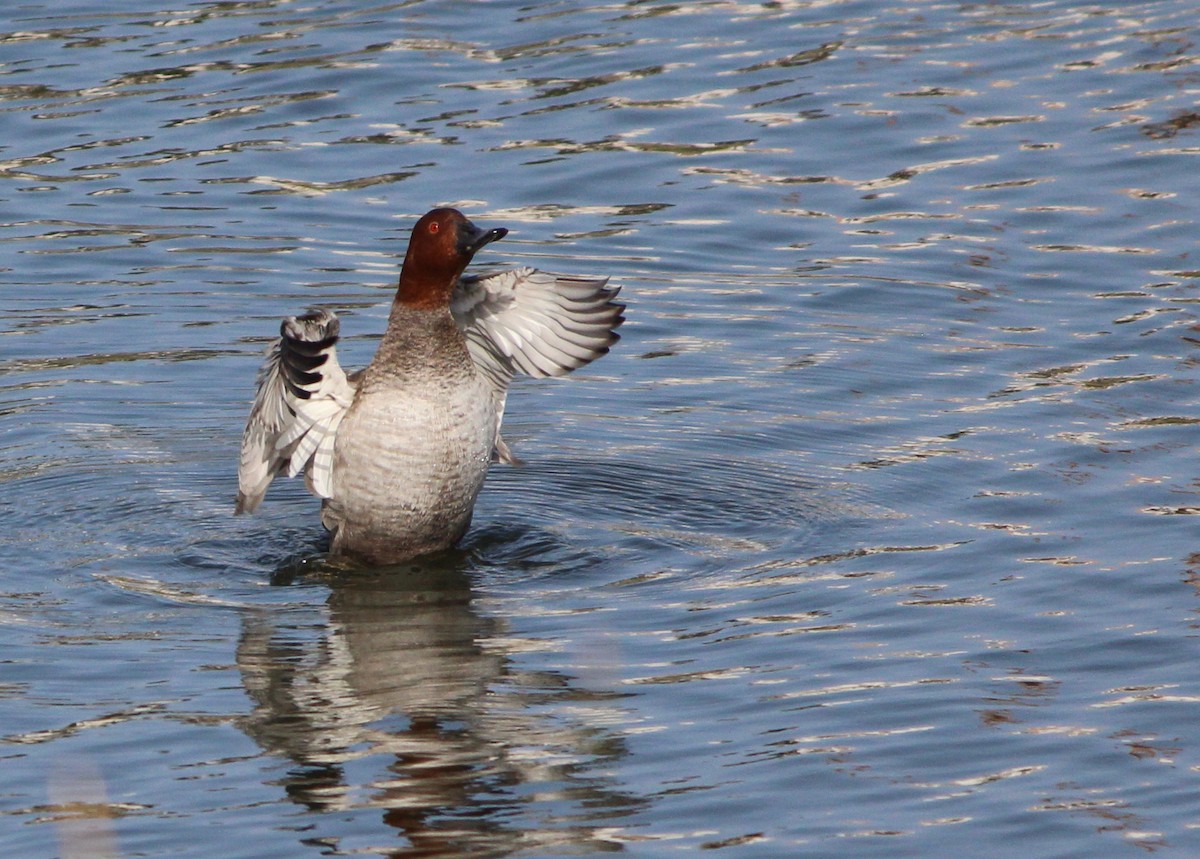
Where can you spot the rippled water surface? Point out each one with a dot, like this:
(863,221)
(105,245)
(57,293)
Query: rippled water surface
(872,537)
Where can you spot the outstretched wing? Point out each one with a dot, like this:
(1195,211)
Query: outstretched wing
(533,322)
(303,393)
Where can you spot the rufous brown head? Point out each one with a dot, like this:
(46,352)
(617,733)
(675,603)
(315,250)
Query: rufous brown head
(440,247)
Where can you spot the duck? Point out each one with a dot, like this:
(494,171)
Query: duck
(398,451)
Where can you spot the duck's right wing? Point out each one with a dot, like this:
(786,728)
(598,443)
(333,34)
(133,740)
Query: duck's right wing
(303,394)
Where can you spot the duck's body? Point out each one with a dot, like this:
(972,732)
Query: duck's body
(399,452)
(416,495)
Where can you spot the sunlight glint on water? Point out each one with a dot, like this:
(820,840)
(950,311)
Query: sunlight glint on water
(870,538)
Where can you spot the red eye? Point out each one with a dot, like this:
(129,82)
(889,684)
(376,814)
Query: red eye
(433,228)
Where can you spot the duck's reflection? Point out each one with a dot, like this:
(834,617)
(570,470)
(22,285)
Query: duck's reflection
(401,699)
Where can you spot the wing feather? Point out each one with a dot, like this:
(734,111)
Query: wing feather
(303,393)
(534,322)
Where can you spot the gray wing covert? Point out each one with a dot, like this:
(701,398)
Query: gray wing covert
(534,322)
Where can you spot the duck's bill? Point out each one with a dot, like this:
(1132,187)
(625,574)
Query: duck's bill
(471,238)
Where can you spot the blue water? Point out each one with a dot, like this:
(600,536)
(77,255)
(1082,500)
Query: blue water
(872,536)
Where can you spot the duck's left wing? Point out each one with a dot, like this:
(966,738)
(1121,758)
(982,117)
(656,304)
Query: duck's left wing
(534,322)
(303,393)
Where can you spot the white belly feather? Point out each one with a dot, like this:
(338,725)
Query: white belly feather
(408,465)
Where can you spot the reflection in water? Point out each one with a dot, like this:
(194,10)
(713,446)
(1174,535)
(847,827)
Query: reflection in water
(401,678)
(884,501)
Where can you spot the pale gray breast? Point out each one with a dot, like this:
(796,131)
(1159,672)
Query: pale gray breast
(413,456)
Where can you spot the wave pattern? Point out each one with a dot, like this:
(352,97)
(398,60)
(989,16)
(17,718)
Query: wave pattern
(881,504)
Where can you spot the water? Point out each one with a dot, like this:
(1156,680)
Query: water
(871,538)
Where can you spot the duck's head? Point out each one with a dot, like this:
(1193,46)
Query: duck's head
(440,247)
